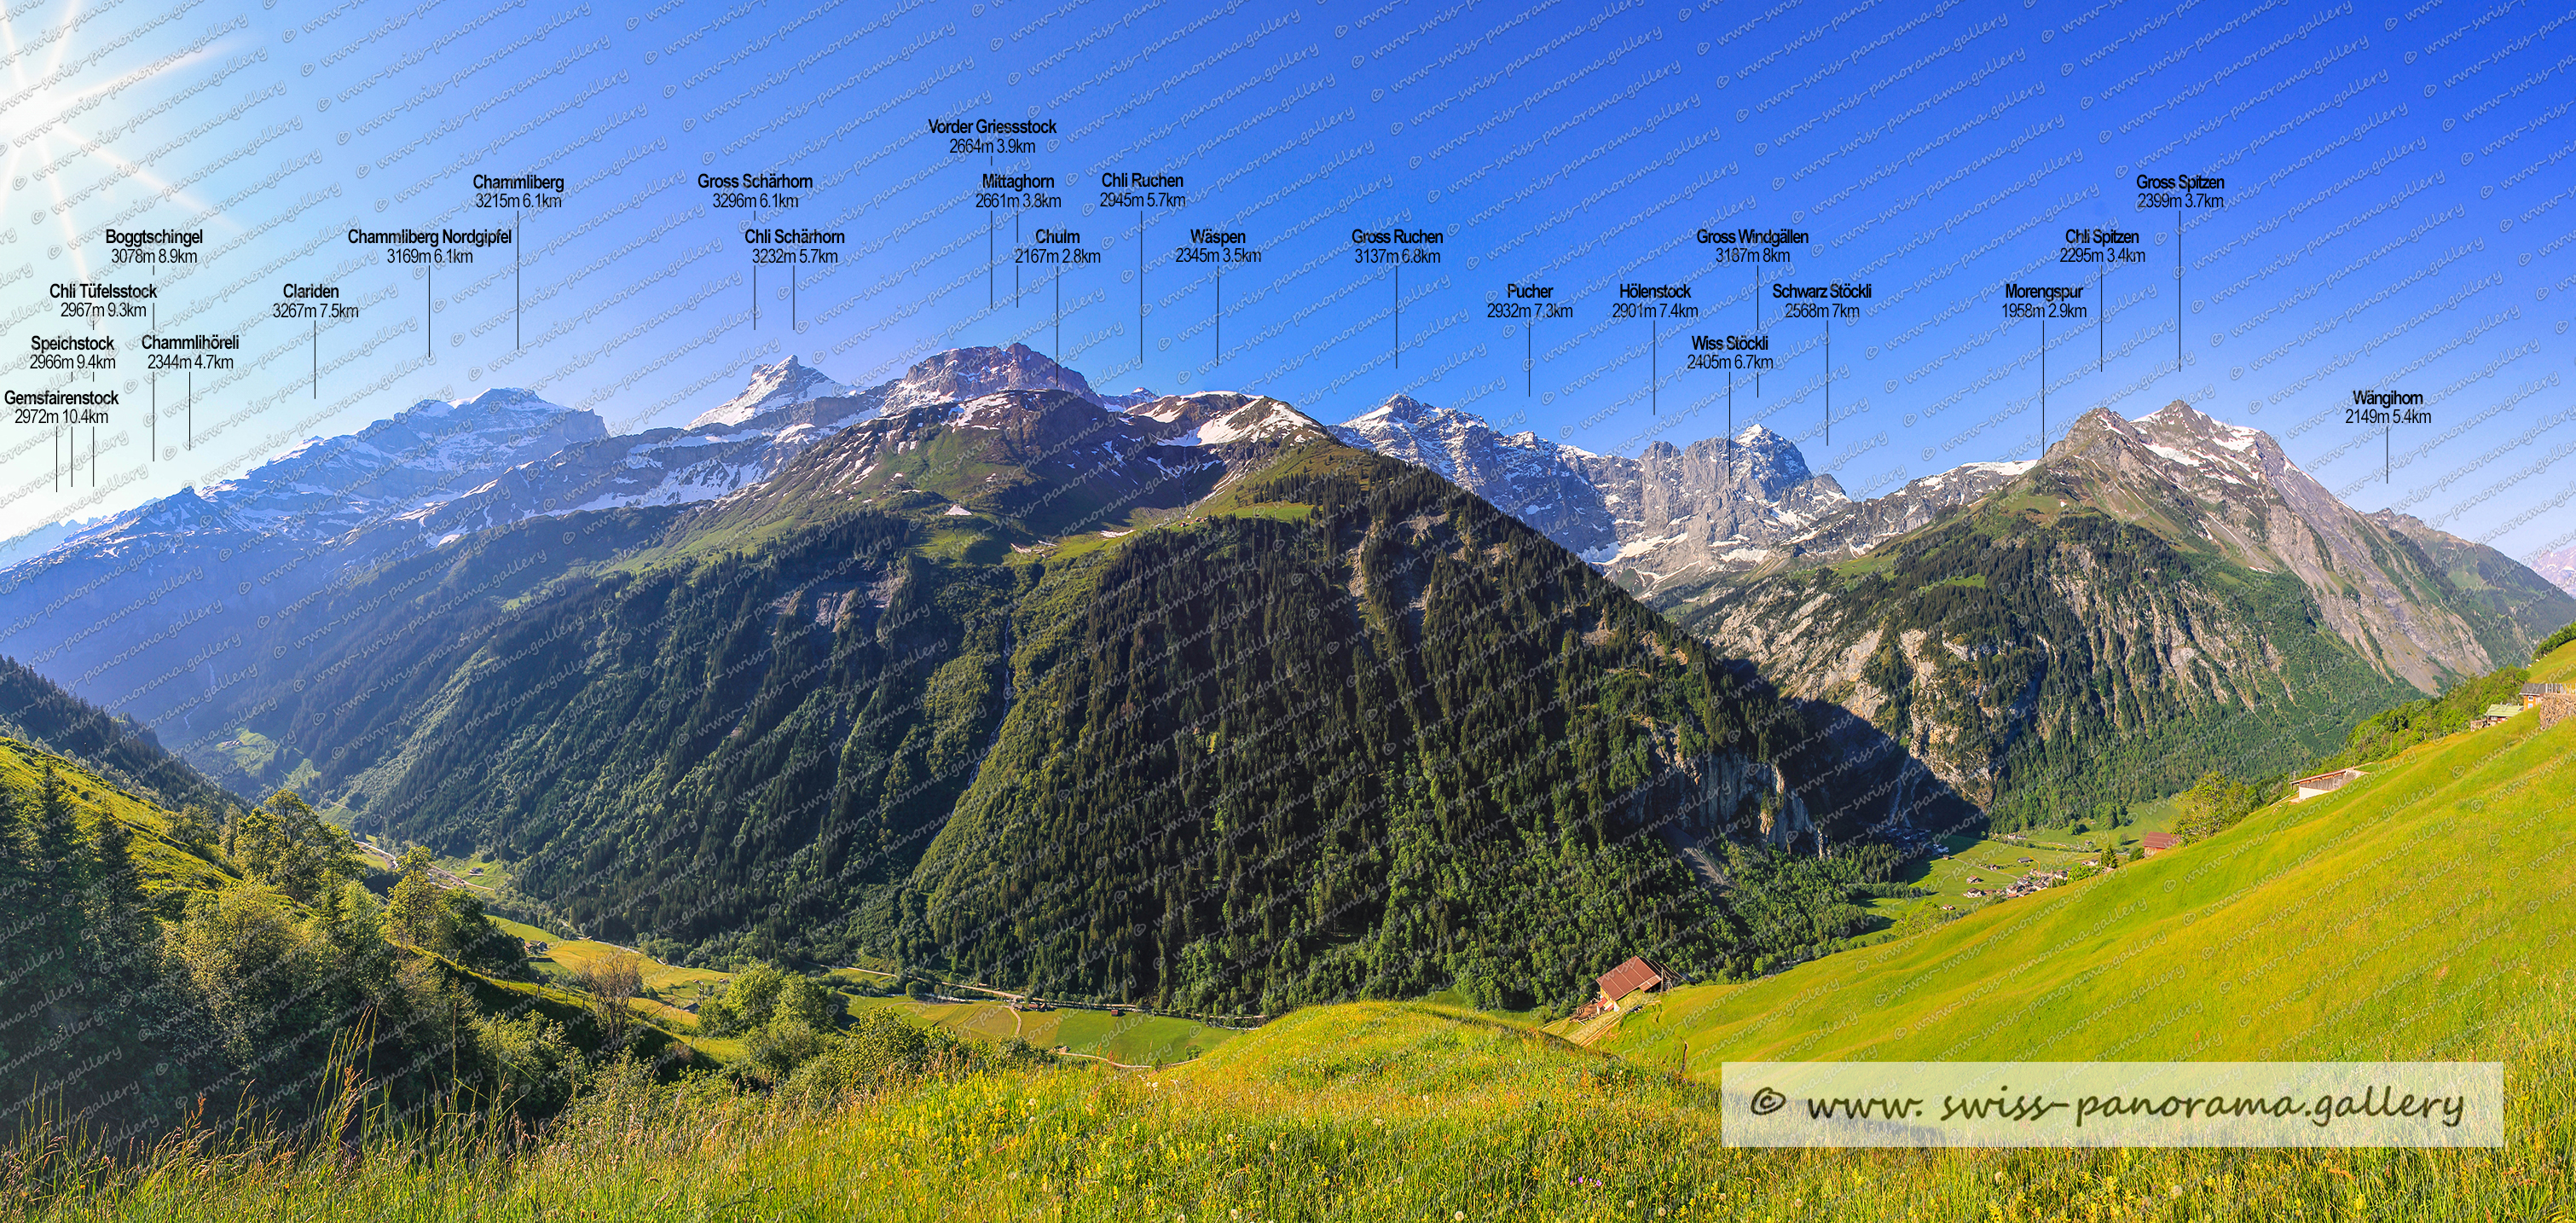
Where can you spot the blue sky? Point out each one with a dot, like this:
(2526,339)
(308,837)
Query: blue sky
(2396,216)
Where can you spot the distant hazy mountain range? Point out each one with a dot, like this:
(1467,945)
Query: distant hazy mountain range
(2275,601)
(96,609)
(2559,567)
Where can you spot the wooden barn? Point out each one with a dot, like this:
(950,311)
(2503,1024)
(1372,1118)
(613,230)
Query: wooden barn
(1634,975)
(2307,788)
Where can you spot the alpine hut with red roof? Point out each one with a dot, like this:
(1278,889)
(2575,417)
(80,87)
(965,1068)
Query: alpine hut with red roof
(1629,978)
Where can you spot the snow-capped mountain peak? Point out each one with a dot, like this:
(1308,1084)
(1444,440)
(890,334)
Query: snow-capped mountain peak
(2559,567)
(1524,475)
(1672,513)
(772,387)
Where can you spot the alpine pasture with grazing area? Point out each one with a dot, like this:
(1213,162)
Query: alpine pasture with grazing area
(2401,917)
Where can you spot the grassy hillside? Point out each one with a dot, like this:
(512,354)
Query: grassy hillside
(34,711)
(162,966)
(168,867)
(1360,1111)
(1127,1039)
(2399,917)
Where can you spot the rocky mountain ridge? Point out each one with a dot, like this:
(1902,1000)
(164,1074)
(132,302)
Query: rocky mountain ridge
(215,561)
(1673,520)
(2190,477)
(2156,598)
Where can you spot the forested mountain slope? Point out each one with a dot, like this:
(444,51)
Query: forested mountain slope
(2156,599)
(45,716)
(1187,702)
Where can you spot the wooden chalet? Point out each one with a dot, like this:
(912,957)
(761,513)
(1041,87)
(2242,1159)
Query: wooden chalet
(2158,842)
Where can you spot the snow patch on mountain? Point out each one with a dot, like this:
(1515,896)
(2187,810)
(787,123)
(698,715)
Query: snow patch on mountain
(1209,418)
(772,387)
(2559,567)
(1670,514)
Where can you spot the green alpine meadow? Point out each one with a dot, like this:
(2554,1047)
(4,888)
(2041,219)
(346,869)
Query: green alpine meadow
(1341,611)
(1024,805)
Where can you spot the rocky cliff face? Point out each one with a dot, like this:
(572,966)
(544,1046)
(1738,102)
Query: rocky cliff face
(2200,482)
(2157,598)
(1674,522)
(1718,504)
(2522,602)
(1522,474)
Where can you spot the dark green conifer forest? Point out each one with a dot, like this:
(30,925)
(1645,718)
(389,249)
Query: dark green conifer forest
(1342,730)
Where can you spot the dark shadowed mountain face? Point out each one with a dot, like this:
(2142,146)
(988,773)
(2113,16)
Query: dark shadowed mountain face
(1187,702)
